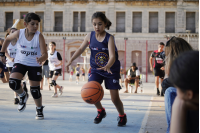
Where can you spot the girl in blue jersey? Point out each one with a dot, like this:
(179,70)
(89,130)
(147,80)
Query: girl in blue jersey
(104,63)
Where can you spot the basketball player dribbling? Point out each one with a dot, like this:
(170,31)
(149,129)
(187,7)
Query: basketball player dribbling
(29,57)
(104,63)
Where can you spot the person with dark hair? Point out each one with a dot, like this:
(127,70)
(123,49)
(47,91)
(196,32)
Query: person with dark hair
(10,54)
(4,74)
(31,52)
(184,74)
(174,47)
(104,63)
(159,72)
(55,67)
(45,72)
(133,77)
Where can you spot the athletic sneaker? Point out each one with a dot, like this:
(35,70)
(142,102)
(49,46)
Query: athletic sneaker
(158,92)
(122,120)
(54,95)
(39,113)
(61,91)
(16,100)
(24,86)
(22,103)
(100,116)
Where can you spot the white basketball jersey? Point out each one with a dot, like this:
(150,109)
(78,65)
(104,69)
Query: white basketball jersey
(27,51)
(12,52)
(53,60)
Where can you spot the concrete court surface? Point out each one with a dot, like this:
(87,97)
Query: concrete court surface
(70,114)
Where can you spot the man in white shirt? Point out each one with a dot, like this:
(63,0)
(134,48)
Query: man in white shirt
(133,76)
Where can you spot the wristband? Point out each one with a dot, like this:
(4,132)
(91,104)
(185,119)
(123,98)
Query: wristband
(2,54)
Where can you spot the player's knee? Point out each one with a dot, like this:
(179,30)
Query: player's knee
(14,84)
(35,92)
(53,83)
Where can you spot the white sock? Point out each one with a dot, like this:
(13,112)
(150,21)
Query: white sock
(15,96)
(39,107)
(23,94)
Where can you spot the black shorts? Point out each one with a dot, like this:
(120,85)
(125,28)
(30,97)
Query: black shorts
(77,74)
(159,72)
(34,73)
(83,74)
(10,69)
(55,72)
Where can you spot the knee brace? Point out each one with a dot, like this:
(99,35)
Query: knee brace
(14,84)
(35,92)
(53,83)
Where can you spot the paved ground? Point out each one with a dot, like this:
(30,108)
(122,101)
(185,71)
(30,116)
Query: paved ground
(70,114)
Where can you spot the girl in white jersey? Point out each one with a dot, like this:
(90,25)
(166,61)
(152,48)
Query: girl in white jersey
(31,52)
(55,62)
(10,54)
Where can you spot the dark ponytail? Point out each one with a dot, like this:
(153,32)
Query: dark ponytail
(103,17)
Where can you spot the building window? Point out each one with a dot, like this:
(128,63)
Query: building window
(82,28)
(153,22)
(75,22)
(137,22)
(58,22)
(170,22)
(22,15)
(120,22)
(190,21)
(9,20)
(41,15)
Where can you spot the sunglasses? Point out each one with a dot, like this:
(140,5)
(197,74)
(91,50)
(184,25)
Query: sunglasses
(168,42)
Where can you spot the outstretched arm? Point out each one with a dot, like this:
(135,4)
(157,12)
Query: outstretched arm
(42,49)
(80,50)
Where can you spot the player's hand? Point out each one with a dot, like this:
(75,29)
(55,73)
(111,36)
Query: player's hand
(106,68)
(151,68)
(12,59)
(69,63)
(39,61)
(3,59)
(162,68)
(56,65)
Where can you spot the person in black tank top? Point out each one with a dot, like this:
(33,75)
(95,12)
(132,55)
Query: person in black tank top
(133,77)
(104,63)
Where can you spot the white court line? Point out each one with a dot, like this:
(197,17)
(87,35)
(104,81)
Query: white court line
(144,121)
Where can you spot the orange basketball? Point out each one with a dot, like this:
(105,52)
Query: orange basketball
(92,92)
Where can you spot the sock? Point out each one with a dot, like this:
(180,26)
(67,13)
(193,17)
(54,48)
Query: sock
(15,96)
(23,94)
(122,115)
(100,109)
(39,107)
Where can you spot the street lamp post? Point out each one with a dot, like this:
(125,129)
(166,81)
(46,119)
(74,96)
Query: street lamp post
(63,69)
(125,39)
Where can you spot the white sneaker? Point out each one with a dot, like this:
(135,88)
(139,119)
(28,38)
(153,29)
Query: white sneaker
(55,95)
(61,91)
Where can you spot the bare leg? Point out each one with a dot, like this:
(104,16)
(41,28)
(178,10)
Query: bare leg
(157,81)
(136,84)
(38,102)
(117,102)
(42,83)
(126,81)
(98,105)
(48,83)
(55,87)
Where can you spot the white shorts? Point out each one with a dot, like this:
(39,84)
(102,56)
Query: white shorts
(70,76)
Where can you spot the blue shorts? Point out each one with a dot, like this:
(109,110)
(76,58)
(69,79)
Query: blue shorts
(110,83)
(4,69)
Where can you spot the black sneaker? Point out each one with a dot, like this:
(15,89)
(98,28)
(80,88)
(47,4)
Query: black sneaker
(158,92)
(39,113)
(22,102)
(122,121)
(16,100)
(100,116)
(162,94)
(24,87)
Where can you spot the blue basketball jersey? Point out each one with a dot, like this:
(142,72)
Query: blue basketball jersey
(100,56)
